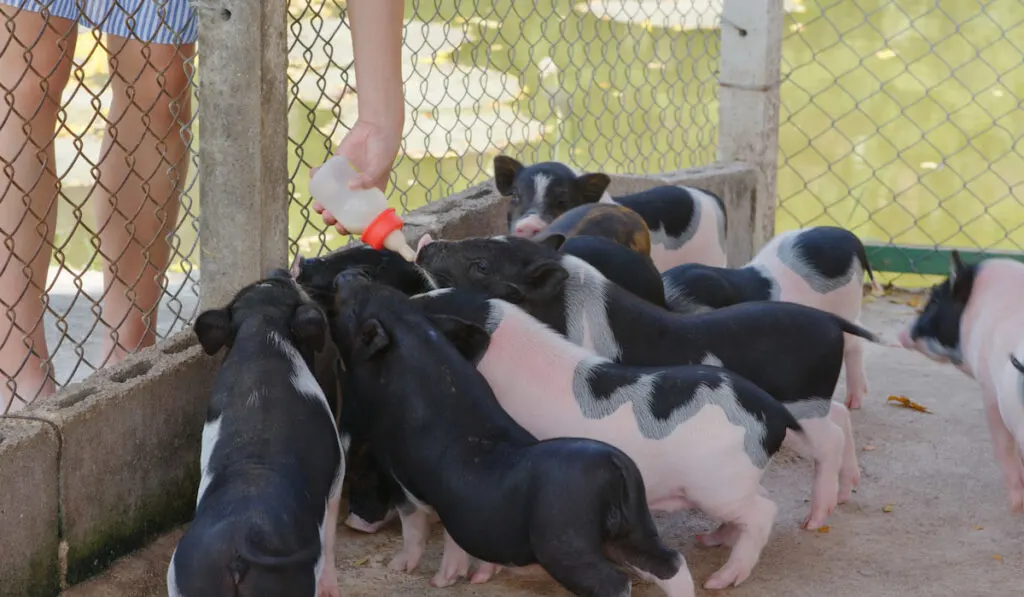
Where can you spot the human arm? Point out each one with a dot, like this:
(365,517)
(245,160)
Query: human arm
(373,142)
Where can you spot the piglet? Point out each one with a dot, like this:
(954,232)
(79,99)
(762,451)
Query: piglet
(371,492)
(701,436)
(271,460)
(686,224)
(576,506)
(820,267)
(974,320)
(609,221)
(629,269)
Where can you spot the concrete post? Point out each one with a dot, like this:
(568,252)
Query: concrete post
(243,165)
(748,110)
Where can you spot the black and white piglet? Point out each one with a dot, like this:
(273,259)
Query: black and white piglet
(793,352)
(271,460)
(371,493)
(687,225)
(974,320)
(627,268)
(820,267)
(575,506)
(701,436)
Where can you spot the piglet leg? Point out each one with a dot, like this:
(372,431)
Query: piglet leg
(755,524)
(327,583)
(1007,452)
(856,378)
(415,529)
(823,441)
(849,472)
(454,564)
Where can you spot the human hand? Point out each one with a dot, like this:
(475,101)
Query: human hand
(372,148)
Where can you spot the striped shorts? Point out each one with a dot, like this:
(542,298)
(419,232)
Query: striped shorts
(155,21)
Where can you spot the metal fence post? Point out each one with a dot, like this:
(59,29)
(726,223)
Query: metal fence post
(748,112)
(243,133)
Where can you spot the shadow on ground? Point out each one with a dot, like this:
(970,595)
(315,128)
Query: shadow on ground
(930,519)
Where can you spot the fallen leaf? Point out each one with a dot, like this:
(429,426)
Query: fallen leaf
(998,558)
(979,528)
(887,508)
(824,529)
(868,448)
(914,301)
(362,561)
(908,403)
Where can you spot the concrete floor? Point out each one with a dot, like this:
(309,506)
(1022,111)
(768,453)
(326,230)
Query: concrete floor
(948,529)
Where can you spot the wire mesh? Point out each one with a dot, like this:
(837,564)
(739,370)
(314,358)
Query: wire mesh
(616,86)
(902,121)
(97,137)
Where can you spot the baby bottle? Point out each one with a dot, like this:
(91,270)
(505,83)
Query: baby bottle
(364,212)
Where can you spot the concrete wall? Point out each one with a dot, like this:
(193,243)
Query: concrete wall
(105,465)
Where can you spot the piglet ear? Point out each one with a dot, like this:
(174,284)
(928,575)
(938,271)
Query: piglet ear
(309,326)
(372,339)
(546,277)
(296,267)
(961,279)
(213,328)
(505,170)
(553,240)
(468,338)
(592,186)
(956,265)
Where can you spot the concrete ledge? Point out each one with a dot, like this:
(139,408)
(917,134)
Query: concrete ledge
(29,454)
(477,211)
(130,463)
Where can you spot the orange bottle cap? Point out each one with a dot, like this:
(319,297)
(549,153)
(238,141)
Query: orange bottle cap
(380,227)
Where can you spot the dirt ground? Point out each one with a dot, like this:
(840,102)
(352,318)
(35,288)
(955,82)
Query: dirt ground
(930,519)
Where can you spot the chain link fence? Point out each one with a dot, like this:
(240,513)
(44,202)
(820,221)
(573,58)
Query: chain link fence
(902,120)
(616,86)
(97,195)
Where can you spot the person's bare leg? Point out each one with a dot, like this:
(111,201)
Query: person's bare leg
(142,171)
(35,64)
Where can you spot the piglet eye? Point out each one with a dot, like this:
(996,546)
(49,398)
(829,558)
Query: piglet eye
(481,268)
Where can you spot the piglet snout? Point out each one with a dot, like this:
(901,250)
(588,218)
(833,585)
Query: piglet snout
(425,240)
(529,226)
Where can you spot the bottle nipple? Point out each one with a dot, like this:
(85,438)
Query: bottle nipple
(384,231)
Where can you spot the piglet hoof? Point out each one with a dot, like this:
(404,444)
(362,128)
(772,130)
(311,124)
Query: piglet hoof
(726,534)
(404,562)
(484,572)
(327,584)
(813,523)
(447,575)
(726,577)
(358,524)
(847,485)
(1017,500)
